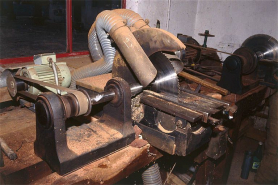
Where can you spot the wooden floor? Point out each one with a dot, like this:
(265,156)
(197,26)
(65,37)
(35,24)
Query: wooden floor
(17,128)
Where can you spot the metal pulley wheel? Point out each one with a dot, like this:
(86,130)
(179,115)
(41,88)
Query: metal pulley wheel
(249,58)
(14,85)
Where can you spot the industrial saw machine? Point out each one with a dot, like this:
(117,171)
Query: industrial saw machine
(135,81)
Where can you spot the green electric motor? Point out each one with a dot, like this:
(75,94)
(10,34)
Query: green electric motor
(46,69)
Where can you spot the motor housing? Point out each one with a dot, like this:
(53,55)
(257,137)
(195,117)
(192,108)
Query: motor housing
(45,73)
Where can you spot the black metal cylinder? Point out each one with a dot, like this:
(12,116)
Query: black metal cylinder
(102,97)
(246,165)
(1,158)
(70,104)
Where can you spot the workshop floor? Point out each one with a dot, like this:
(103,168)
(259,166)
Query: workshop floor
(243,145)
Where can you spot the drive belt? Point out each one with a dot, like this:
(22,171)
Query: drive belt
(41,83)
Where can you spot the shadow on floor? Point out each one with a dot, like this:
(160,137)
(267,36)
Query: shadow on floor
(243,145)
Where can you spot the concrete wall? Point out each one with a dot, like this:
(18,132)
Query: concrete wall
(176,16)
(231,21)
(234,21)
(151,9)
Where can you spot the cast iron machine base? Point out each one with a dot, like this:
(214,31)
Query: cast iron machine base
(67,149)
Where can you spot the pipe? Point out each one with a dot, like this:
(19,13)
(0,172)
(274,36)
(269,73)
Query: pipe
(105,21)
(93,44)
(7,151)
(134,55)
(105,96)
(54,68)
(152,175)
(201,74)
(95,49)
(111,22)
(110,94)
(92,69)
(132,19)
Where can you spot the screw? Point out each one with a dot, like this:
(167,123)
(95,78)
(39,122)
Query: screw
(12,84)
(179,123)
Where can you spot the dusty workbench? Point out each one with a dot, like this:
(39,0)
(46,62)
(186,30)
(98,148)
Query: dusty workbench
(18,129)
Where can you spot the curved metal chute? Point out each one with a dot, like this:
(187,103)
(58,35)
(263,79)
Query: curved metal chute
(153,40)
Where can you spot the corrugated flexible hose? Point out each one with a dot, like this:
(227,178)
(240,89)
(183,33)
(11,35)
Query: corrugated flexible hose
(105,21)
(152,175)
(97,36)
(93,44)
(131,19)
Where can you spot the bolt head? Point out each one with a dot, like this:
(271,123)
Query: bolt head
(12,84)
(179,123)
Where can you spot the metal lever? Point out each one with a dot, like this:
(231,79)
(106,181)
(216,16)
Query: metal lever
(54,67)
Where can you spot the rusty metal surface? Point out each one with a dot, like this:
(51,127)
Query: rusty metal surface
(138,143)
(121,69)
(166,80)
(135,56)
(191,103)
(249,59)
(153,40)
(170,107)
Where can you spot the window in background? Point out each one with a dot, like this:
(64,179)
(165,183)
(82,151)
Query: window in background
(84,13)
(32,27)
